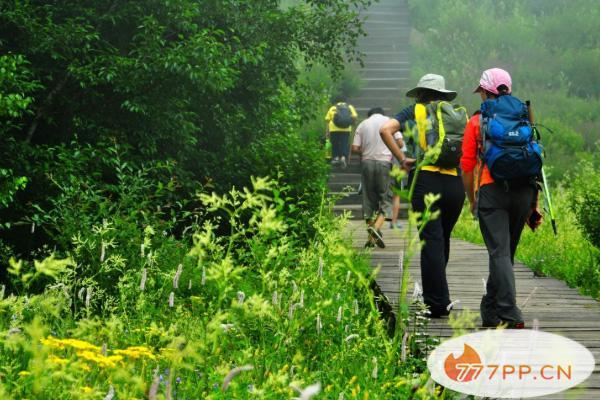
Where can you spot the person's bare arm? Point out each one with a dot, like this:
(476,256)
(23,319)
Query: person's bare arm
(387,135)
(356,149)
(469,184)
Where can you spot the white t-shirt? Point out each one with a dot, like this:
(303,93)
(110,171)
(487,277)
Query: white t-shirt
(368,138)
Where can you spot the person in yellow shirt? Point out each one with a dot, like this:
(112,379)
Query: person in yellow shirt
(340,118)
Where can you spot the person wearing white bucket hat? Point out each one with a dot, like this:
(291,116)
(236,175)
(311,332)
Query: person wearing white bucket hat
(430,91)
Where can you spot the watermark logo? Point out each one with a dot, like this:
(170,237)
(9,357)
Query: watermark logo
(464,368)
(510,363)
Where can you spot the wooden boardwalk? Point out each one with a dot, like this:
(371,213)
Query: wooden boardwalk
(557,308)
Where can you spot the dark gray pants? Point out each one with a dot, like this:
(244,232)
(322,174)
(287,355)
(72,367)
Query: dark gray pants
(376,188)
(502,215)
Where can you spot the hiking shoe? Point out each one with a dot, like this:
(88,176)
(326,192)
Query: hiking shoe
(343,162)
(376,236)
(369,244)
(398,225)
(514,325)
(504,324)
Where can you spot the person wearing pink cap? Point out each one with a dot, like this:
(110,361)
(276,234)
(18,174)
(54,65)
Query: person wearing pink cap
(502,209)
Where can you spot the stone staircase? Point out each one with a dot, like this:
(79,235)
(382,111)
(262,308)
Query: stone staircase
(385,77)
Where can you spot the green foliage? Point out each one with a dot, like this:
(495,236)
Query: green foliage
(569,256)
(288,313)
(584,199)
(205,87)
(549,47)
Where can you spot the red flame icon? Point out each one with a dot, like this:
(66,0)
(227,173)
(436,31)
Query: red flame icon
(464,368)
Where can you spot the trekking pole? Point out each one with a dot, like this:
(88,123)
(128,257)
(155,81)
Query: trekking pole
(546,187)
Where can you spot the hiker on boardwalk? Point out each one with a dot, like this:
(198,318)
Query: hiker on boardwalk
(376,163)
(430,93)
(340,119)
(502,206)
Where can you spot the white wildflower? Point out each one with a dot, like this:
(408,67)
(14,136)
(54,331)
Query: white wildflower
(339,314)
(291,311)
(143,280)
(143,250)
(338,297)
(226,327)
(274,298)
(341,396)
(80,293)
(111,393)
(347,328)
(302,299)
(240,297)
(203,282)
(404,340)
(32,228)
(308,392)
(190,284)
(348,274)
(417,292)
(374,373)
(177,276)
(102,251)
(171,299)
(319,324)
(88,296)
(355,307)
(351,337)
(233,373)
(154,386)
(320,271)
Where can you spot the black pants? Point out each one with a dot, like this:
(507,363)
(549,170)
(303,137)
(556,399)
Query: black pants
(436,234)
(502,215)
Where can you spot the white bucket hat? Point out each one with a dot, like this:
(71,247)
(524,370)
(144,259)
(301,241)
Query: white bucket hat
(432,82)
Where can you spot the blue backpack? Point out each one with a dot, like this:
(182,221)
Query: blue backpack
(510,149)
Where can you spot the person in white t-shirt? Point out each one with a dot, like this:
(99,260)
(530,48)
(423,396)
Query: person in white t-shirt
(376,162)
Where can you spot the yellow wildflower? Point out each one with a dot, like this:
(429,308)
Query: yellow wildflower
(329,388)
(136,352)
(352,380)
(57,360)
(74,343)
(102,361)
(24,373)
(86,367)
(87,389)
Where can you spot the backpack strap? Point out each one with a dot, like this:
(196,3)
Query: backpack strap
(421,120)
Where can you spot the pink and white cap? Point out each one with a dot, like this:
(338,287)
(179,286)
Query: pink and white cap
(492,78)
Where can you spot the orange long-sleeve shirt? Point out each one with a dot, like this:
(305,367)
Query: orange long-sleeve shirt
(470,149)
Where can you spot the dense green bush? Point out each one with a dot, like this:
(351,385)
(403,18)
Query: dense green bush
(210,88)
(585,201)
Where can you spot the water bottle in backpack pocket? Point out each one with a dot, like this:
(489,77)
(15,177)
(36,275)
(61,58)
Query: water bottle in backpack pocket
(510,149)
